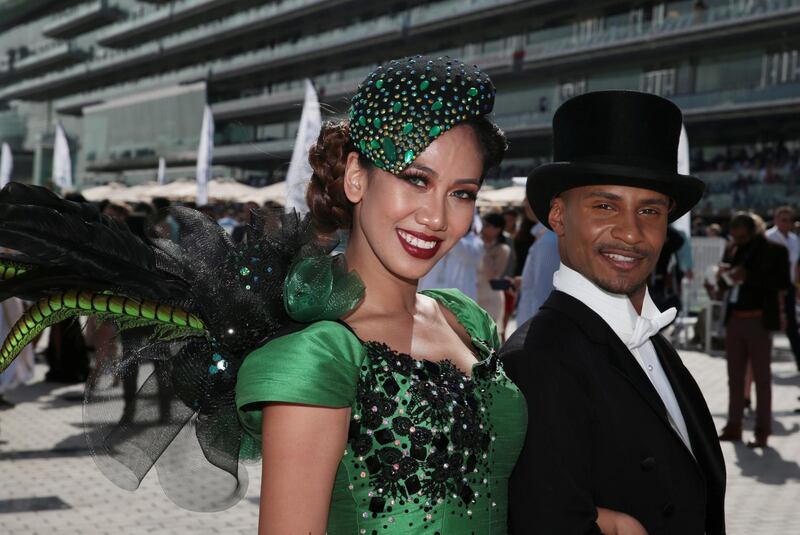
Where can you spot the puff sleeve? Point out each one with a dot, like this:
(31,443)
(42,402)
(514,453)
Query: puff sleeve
(318,365)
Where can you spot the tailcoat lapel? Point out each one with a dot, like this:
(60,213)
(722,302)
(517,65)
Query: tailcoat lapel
(619,356)
(705,445)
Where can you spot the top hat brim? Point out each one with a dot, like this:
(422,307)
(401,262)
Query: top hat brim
(549,180)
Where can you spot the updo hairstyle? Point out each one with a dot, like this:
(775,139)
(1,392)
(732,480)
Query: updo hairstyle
(330,208)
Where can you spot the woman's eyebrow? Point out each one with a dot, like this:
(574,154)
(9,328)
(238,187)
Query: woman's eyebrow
(424,168)
(428,170)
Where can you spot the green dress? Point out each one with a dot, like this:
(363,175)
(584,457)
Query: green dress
(429,450)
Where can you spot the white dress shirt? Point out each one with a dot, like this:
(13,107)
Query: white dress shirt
(618,312)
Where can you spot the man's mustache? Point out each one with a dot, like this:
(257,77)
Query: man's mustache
(624,248)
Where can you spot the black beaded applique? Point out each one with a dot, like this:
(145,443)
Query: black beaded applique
(419,435)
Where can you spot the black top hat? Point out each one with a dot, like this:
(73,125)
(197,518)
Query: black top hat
(623,138)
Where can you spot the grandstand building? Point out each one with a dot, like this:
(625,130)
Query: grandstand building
(128,79)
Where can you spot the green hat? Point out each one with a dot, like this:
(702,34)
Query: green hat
(404,105)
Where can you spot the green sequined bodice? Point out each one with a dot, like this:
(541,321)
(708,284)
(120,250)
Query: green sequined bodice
(430,450)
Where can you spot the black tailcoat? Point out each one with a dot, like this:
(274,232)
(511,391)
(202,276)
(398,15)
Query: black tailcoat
(599,434)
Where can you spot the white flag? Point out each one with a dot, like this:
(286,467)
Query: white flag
(205,155)
(162,171)
(6,164)
(299,169)
(684,224)
(62,163)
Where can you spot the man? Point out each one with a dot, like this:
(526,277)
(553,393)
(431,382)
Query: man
(754,276)
(781,233)
(619,438)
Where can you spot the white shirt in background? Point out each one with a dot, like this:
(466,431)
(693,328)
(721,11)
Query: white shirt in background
(458,268)
(618,312)
(541,263)
(792,243)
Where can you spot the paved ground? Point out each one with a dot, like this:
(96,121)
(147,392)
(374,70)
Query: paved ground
(49,484)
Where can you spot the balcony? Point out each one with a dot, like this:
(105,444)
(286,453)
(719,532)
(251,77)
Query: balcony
(340,41)
(777,100)
(700,110)
(253,151)
(680,33)
(52,55)
(81,19)
(14,11)
(434,17)
(74,104)
(282,99)
(153,22)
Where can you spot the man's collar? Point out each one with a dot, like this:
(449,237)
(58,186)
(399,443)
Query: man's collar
(615,309)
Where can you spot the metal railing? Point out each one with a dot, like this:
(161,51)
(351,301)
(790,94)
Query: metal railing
(76,12)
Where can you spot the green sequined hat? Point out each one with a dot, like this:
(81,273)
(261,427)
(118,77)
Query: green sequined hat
(404,105)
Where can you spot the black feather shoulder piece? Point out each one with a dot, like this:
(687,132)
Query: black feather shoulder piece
(189,311)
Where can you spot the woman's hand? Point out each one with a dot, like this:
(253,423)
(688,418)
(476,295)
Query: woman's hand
(616,523)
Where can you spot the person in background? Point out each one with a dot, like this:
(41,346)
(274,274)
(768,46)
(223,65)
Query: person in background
(713,231)
(781,232)
(228,221)
(536,281)
(164,225)
(512,222)
(493,268)
(510,233)
(523,239)
(664,282)
(753,277)
(21,370)
(459,268)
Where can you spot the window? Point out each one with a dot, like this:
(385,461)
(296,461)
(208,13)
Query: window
(659,82)
(659,14)
(636,18)
(567,90)
(587,29)
(781,68)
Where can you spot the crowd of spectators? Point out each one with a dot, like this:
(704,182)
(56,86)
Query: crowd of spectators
(749,177)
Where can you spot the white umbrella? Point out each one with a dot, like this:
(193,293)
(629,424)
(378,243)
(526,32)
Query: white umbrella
(219,189)
(512,195)
(116,192)
(274,193)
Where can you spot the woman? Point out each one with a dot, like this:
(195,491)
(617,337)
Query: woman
(429,425)
(493,266)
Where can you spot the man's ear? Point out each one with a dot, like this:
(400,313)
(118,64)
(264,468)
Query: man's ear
(556,215)
(355,178)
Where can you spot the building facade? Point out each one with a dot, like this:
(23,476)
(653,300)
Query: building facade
(128,79)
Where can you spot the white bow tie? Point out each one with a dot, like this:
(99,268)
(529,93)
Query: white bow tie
(645,328)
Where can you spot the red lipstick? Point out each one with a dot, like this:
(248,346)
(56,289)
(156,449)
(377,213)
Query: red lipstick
(418,252)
